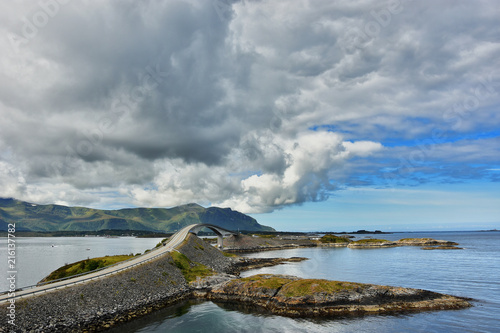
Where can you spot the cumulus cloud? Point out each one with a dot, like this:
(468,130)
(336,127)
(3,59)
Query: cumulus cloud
(303,175)
(254,105)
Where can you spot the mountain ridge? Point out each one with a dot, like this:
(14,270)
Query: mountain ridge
(51,217)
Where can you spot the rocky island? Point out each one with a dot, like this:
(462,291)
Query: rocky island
(198,270)
(243,243)
(429,244)
(295,297)
(371,243)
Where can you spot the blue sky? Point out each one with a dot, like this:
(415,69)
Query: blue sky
(424,208)
(310,115)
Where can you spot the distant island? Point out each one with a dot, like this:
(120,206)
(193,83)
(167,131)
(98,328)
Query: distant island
(30,217)
(255,243)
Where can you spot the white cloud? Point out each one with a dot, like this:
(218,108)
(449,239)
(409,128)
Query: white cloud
(162,103)
(308,159)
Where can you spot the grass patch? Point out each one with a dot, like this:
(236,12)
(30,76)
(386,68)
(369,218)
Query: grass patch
(199,246)
(211,240)
(84,266)
(415,239)
(267,236)
(264,281)
(191,270)
(162,242)
(229,255)
(306,287)
(370,241)
(333,239)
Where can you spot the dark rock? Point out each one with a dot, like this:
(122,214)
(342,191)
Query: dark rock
(295,297)
(424,242)
(103,303)
(252,263)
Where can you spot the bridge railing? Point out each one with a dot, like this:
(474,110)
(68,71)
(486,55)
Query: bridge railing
(77,275)
(81,274)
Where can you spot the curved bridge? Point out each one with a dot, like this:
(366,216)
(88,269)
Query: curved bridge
(220,232)
(170,245)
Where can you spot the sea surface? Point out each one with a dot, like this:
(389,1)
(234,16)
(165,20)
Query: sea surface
(473,272)
(37,257)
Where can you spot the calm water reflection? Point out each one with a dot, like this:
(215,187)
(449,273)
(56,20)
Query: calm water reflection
(472,272)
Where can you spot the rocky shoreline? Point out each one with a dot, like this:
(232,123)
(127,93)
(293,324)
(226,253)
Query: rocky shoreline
(247,244)
(244,264)
(100,304)
(295,297)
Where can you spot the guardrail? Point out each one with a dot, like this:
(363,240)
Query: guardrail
(81,274)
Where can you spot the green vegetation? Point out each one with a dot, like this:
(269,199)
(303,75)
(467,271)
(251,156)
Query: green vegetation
(263,281)
(212,240)
(230,255)
(333,239)
(163,241)
(415,239)
(306,287)
(370,241)
(295,288)
(199,246)
(266,236)
(84,266)
(191,270)
(32,217)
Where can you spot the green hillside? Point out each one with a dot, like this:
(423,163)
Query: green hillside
(33,217)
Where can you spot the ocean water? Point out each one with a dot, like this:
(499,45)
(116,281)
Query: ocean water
(37,257)
(473,272)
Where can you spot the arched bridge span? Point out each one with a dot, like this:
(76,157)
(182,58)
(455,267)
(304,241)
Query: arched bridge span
(172,243)
(220,232)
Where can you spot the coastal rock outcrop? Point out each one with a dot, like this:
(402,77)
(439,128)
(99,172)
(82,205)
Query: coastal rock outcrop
(424,242)
(371,243)
(105,302)
(442,247)
(242,264)
(243,243)
(198,270)
(291,296)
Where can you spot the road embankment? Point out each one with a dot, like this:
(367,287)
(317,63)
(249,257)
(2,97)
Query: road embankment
(99,304)
(105,302)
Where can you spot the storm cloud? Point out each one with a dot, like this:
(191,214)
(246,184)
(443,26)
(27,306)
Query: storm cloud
(253,105)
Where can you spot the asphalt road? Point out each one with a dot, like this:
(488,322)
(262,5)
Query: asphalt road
(171,244)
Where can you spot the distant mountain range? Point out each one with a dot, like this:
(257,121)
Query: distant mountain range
(33,217)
